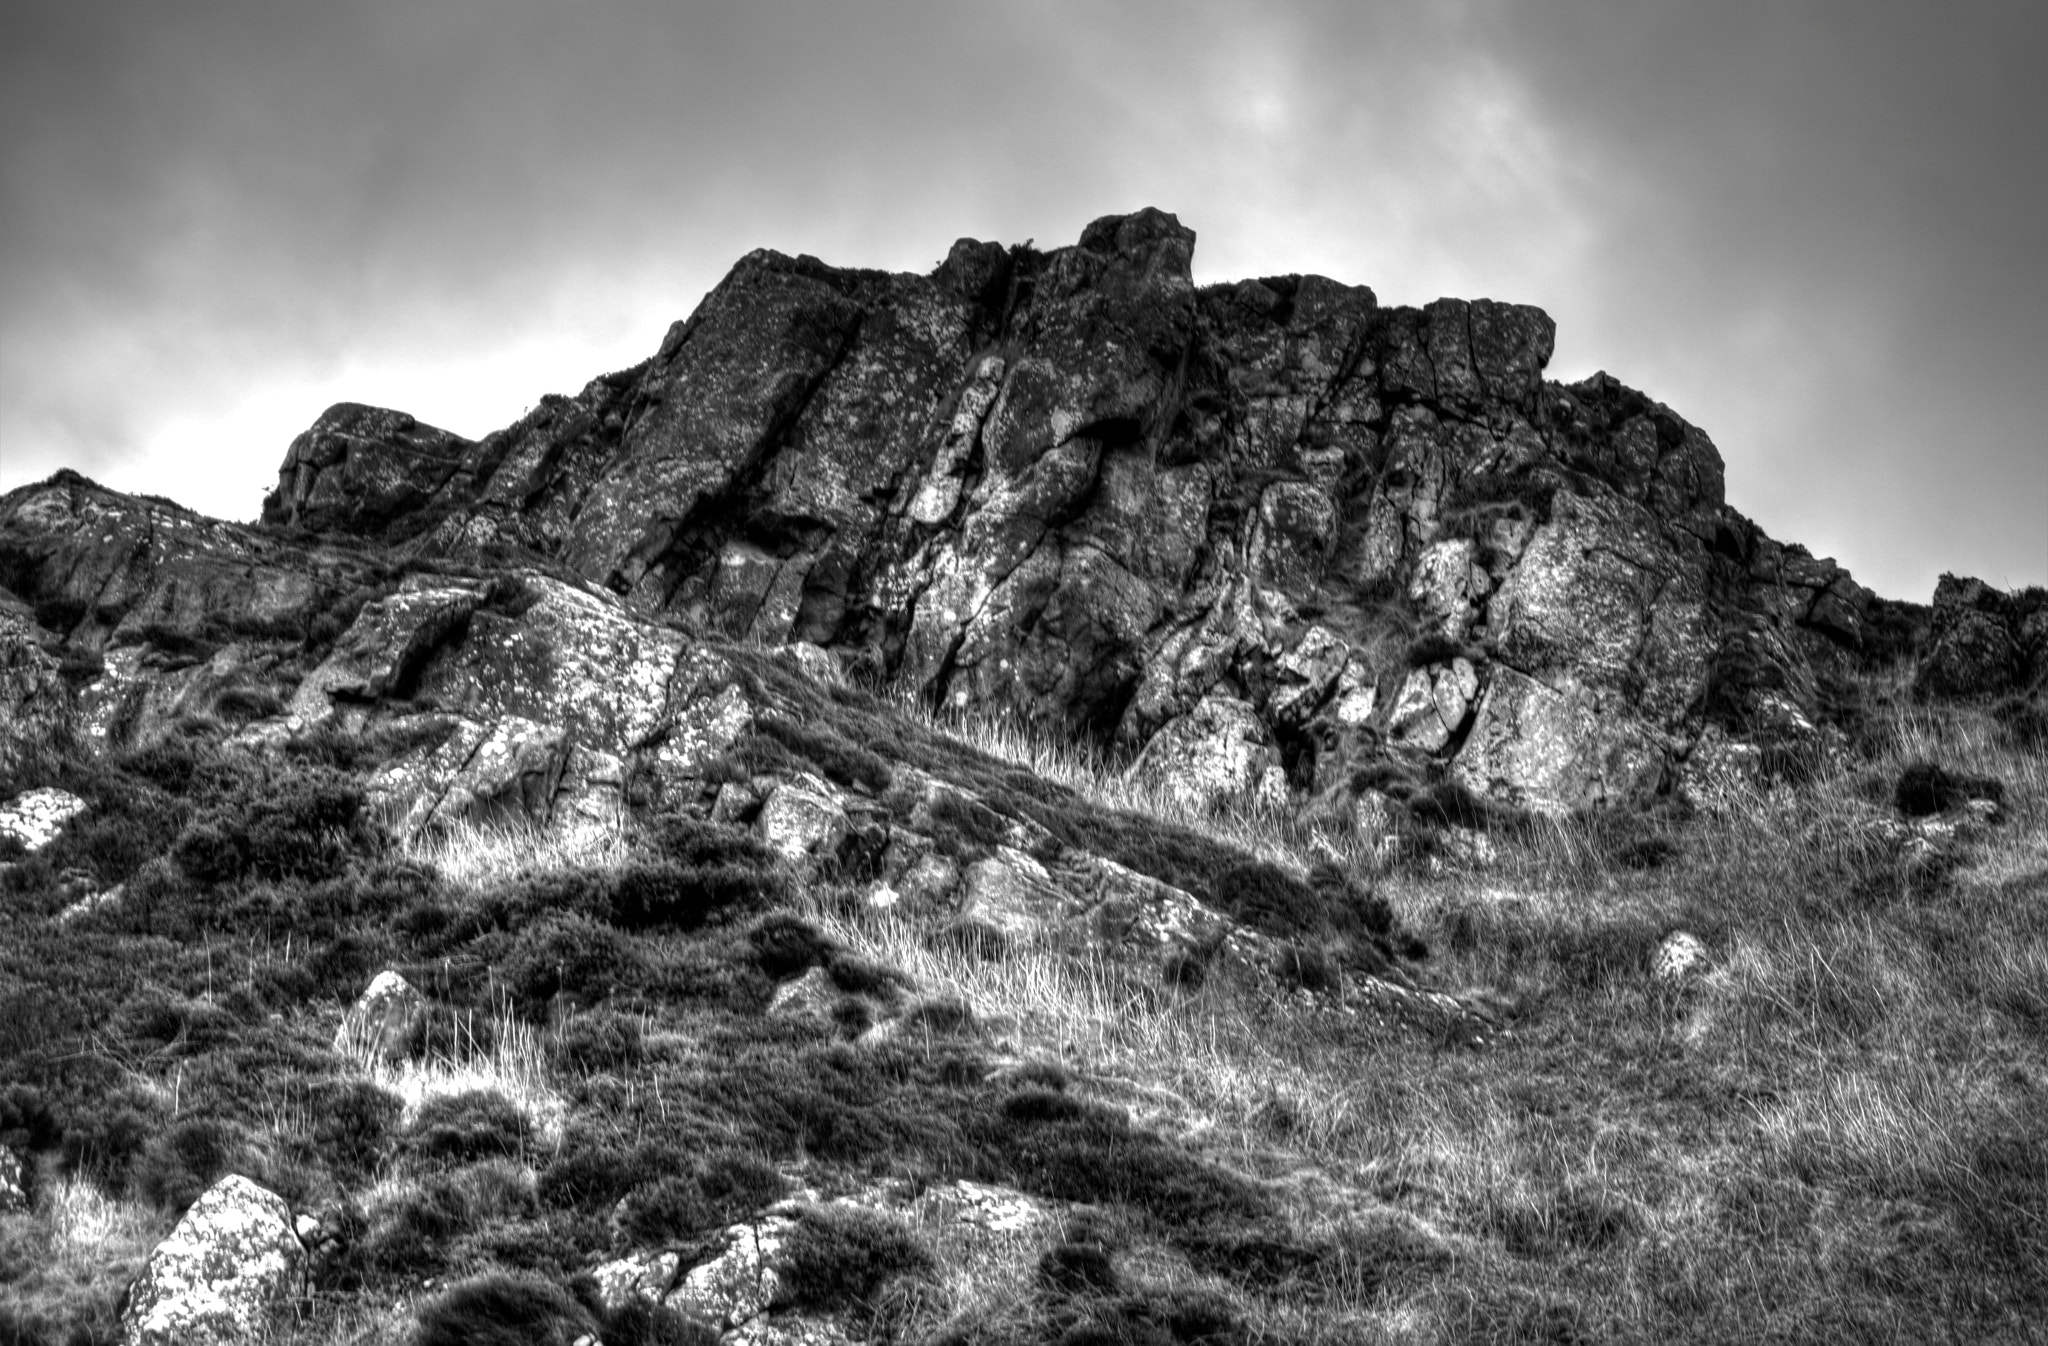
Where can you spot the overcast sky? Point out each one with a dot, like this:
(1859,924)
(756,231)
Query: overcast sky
(1817,231)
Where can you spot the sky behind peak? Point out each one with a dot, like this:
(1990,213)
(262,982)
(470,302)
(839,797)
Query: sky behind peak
(1813,230)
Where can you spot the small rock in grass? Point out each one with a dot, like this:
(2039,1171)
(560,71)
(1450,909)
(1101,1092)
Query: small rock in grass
(1680,958)
(382,1021)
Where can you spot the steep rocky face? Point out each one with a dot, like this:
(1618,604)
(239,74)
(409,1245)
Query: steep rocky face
(1068,485)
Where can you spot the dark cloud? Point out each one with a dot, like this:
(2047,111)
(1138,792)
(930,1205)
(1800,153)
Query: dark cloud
(1812,229)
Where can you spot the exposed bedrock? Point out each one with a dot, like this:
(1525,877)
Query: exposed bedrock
(1069,486)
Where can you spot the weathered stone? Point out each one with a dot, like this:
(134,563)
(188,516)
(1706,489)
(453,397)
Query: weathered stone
(1432,704)
(803,821)
(225,1269)
(380,1025)
(641,1275)
(389,640)
(740,1283)
(1719,775)
(1984,643)
(811,998)
(1010,892)
(362,469)
(1448,587)
(33,818)
(1552,746)
(1218,752)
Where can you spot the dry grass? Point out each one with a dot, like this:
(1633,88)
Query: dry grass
(1832,1135)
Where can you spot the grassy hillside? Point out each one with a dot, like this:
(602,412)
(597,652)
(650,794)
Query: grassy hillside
(1837,1130)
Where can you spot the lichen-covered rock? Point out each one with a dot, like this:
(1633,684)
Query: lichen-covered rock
(1069,486)
(740,1283)
(641,1275)
(225,1269)
(33,818)
(389,640)
(362,469)
(380,1024)
(1221,751)
(1010,892)
(803,821)
(1984,642)
(1432,704)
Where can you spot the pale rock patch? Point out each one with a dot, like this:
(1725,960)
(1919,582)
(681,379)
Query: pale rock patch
(223,1271)
(35,817)
(377,1027)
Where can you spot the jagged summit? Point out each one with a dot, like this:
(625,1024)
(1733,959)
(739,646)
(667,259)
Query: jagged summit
(1075,485)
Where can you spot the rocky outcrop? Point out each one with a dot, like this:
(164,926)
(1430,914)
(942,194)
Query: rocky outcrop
(220,1275)
(1070,486)
(1983,642)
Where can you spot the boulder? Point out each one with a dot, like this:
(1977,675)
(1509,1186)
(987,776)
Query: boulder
(1220,752)
(1011,893)
(222,1273)
(33,818)
(803,821)
(380,1025)
(362,470)
(1432,704)
(1983,642)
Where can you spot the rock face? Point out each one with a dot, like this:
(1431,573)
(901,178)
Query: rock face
(1985,643)
(223,1270)
(1069,486)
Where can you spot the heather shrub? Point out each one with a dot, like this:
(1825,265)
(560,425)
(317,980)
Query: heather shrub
(178,1165)
(786,945)
(354,1123)
(1078,1269)
(839,1257)
(598,1040)
(504,1309)
(473,1124)
(568,955)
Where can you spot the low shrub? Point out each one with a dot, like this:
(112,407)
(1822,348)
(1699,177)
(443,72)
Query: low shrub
(670,896)
(728,1187)
(461,1127)
(591,1172)
(568,955)
(786,945)
(354,1123)
(696,843)
(1078,1269)
(505,1309)
(599,1040)
(1927,788)
(642,1324)
(1309,968)
(183,1162)
(831,754)
(837,1258)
